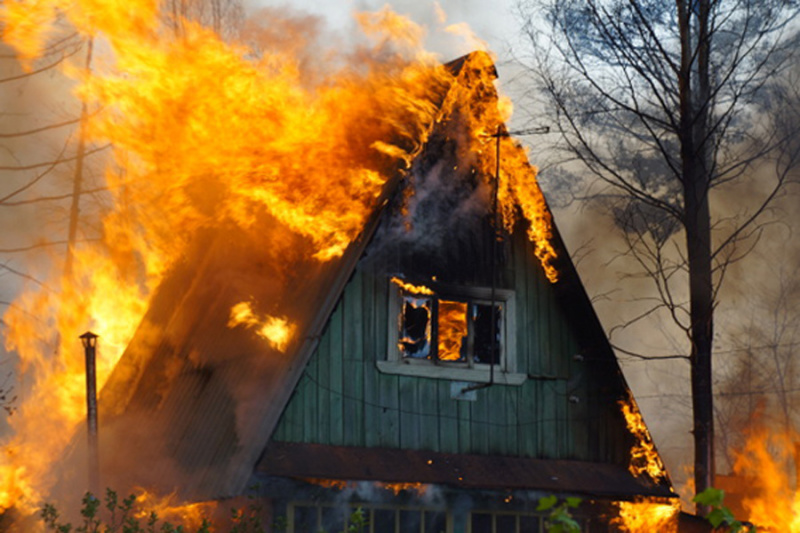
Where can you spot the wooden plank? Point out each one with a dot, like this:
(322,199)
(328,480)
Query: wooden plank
(353,347)
(510,407)
(536,319)
(495,419)
(529,414)
(549,426)
(389,426)
(448,418)
(465,427)
(309,410)
(564,426)
(524,330)
(564,349)
(291,420)
(323,357)
(428,395)
(336,377)
(409,412)
(372,401)
(543,324)
(282,429)
(480,429)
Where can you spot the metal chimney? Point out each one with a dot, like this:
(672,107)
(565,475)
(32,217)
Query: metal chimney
(89,341)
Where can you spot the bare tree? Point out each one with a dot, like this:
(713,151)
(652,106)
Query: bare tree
(664,104)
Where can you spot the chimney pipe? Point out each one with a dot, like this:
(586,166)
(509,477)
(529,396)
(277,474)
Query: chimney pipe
(89,341)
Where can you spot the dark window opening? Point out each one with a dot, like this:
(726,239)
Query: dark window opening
(486,351)
(451,329)
(415,332)
(505,522)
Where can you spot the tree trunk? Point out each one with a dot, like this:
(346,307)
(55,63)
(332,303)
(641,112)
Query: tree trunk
(697,170)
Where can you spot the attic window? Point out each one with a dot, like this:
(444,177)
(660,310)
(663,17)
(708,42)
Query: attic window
(447,329)
(444,331)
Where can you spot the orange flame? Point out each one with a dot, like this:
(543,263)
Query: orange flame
(337,484)
(644,457)
(208,134)
(517,188)
(765,464)
(170,509)
(647,516)
(397,488)
(277,330)
(413,289)
(452,329)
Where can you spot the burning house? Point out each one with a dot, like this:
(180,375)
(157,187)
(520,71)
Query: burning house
(442,373)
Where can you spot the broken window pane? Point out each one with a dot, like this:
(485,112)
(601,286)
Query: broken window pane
(415,330)
(484,350)
(452,330)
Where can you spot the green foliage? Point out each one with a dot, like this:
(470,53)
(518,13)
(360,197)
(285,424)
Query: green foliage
(120,517)
(720,515)
(559,518)
(358,521)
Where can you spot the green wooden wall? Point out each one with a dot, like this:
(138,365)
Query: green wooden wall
(565,409)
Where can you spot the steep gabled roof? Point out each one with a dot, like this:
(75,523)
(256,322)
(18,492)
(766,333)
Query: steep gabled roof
(192,403)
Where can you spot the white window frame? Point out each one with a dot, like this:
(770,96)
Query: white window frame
(505,373)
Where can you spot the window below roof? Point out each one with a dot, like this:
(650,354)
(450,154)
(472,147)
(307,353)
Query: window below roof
(451,332)
(313,517)
(505,522)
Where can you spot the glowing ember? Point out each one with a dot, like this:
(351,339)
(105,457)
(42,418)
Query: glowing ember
(452,329)
(277,330)
(397,488)
(413,289)
(337,484)
(644,457)
(647,516)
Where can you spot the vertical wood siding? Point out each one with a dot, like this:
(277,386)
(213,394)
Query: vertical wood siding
(563,410)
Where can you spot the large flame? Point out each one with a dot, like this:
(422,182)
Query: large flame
(205,134)
(765,465)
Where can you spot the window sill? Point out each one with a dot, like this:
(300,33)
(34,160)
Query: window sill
(478,375)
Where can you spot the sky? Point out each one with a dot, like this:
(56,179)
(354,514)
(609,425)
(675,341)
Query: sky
(493,22)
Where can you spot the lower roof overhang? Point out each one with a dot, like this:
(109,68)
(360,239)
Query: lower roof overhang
(486,472)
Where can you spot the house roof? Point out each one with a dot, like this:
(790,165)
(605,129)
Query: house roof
(192,403)
(466,471)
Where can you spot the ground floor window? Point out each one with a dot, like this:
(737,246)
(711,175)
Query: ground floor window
(504,522)
(314,518)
